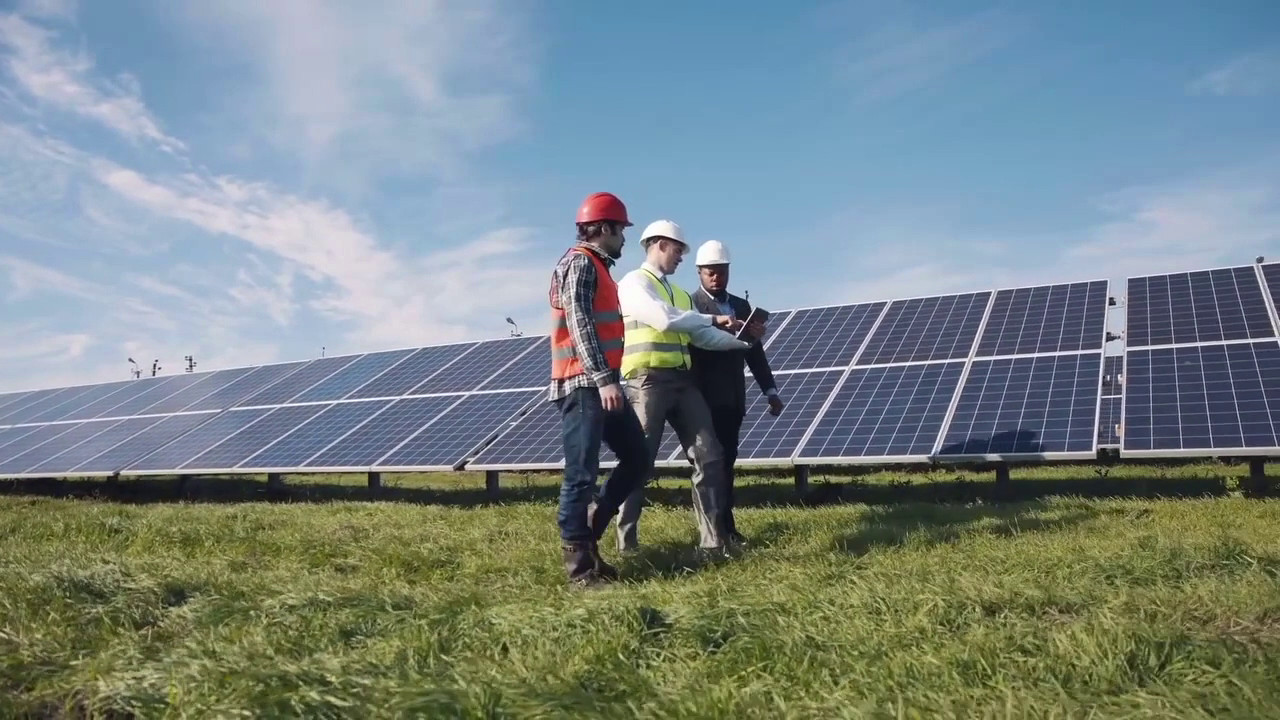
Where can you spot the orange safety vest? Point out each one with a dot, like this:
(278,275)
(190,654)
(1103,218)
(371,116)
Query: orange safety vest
(607,314)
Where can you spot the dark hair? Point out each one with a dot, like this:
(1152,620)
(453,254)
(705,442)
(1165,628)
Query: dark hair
(591,230)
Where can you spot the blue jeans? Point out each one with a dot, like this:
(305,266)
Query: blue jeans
(584,424)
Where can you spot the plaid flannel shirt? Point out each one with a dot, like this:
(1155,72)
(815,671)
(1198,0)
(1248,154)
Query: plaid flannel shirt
(573,285)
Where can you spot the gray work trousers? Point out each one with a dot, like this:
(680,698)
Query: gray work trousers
(661,396)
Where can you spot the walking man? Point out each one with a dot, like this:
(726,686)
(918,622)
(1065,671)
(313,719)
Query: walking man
(586,363)
(720,375)
(661,324)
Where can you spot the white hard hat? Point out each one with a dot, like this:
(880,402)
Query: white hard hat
(712,252)
(662,228)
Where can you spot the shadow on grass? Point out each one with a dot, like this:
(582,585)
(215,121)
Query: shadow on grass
(931,525)
(669,492)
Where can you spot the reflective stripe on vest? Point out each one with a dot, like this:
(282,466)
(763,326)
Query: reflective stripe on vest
(646,347)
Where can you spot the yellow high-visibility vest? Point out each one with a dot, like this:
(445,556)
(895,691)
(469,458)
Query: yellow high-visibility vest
(645,347)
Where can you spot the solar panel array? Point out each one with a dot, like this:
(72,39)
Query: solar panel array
(1202,363)
(1015,373)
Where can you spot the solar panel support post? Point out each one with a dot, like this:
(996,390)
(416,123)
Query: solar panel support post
(375,480)
(275,480)
(1258,483)
(1002,479)
(491,485)
(802,479)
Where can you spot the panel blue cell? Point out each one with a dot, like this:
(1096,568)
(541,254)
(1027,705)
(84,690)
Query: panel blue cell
(932,328)
(475,367)
(69,410)
(380,435)
(212,383)
(25,443)
(765,437)
(187,447)
(893,411)
(10,398)
(76,434)
(153,386)
(341,383)
(256,379)
(1109,421)
(1196,307)
(136,405)
(1271,273)
(238,447)
(419,366)
(314,435)
(818,338)
(50,401)
(27,401)
(1204,399)
(144,443)
(463,427)
(1046,318)
(531,370)
(1112,369)
(11,434)
(533,441)
(115,432)
(1042,405)
(283,392)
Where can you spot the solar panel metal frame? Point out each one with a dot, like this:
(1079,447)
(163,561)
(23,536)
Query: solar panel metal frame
(1269,303)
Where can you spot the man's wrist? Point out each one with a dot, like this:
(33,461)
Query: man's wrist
(605,378)
(771,392)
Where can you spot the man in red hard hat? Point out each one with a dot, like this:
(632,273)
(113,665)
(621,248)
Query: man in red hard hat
(586,361)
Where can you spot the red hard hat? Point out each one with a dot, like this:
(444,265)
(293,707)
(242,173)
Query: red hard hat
(602,206)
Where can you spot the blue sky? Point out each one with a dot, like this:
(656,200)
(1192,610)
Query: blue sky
(250,181)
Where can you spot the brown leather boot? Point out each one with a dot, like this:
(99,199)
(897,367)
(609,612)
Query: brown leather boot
(598,523)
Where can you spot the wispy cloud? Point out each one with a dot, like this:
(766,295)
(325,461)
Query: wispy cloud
(899,54)
(1250,74)
(56,9)
(400,88)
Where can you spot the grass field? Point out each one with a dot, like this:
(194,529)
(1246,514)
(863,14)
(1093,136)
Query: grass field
(137,600)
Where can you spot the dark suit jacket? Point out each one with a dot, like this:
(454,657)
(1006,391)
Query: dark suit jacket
(720,372)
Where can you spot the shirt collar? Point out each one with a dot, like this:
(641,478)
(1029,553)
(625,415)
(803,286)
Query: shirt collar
(653,269)
(608,261)
(708,293)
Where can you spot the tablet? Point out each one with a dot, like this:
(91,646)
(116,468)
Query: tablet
(757,314)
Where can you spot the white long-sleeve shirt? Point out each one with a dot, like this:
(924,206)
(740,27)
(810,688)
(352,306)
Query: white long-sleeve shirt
(641,302)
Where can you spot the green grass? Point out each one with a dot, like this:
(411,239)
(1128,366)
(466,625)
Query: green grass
(230,603)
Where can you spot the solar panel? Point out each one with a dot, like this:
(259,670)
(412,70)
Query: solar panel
(75,434)
(25,443)
(1204,400)
(313,435)
(179,401)
(818,338)
(1109,421)
(115,433)
(1031,405)
(236,448)
(1200,306)
(10,434)
(170,457)
(883,413)
(933,328)
(419,366)
(135,389)
(461,429)
(381,434)
(10,398)
(1271,274)
(43,404)
(530,370)
(67,410)
(532,443)
(341,383)
(282,392)
(146,441)
(26,401)
(136,405)
(467,373)
(1046,318)
(255,380)
(764,437)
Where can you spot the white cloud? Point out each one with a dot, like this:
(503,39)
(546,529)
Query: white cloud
(27,278)
(54,9)
(1251,74)
(63,80)
(400,87)
(903,53)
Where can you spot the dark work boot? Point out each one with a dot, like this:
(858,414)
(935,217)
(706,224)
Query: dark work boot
(580,564)
(598,522)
